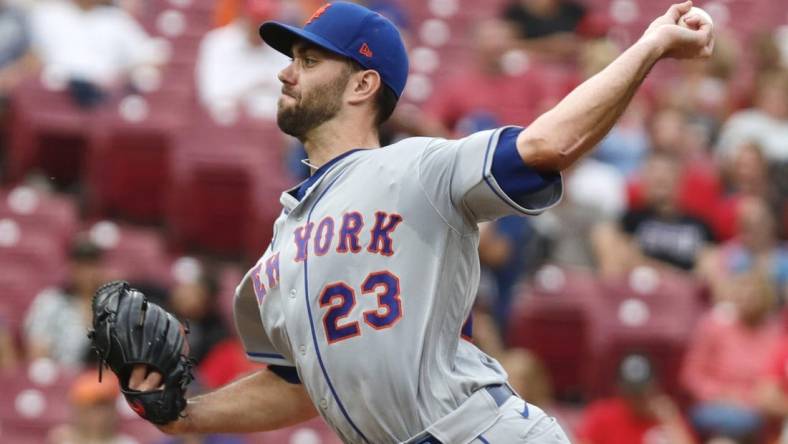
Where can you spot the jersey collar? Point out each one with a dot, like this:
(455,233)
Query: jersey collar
(301,190)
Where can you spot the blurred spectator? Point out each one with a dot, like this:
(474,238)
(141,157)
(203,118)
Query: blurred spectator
(530,378)
(721,383)
(680,135)
(546,26)
(483,95)
(771,394)
(747,175)
(766,123)
(659,232)
(594,193)
(57,321)
(503,262)
(196,301)
(95,417)
(640,414)
(91,44)
(705,88)
(16,60)
(297,11)
(236,70)
(766,52)
(754,248)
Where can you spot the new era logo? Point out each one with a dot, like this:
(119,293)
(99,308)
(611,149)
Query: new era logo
(318,13)
(365,51)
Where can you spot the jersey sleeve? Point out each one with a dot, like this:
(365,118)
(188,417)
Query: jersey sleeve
(482,177)
(257,345)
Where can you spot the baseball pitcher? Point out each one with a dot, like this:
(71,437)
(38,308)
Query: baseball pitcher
(358,303)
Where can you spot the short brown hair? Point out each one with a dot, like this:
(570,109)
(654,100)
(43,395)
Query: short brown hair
(385,100)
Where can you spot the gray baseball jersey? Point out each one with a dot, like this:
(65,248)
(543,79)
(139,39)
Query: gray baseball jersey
(369,278)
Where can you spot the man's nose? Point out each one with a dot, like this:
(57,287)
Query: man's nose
(288,74)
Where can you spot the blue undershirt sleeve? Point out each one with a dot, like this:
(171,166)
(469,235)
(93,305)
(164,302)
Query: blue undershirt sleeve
(516,179)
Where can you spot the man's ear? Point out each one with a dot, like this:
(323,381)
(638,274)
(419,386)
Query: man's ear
(364,86)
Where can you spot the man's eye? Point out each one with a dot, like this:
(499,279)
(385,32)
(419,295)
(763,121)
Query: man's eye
(310,61)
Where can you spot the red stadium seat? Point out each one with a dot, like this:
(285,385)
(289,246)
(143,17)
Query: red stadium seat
(228,177)
(34,400)
(47,132)
(128,170)
(38,211)
(24,247)
(23,432)
(552,318)
(133,253)
(651,312)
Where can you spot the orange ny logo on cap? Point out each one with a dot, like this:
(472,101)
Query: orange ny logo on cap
(365,51)
(317,13)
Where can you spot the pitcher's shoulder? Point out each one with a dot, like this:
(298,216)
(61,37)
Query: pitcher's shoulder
(405,149)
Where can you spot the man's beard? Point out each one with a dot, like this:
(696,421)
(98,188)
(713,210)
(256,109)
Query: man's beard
(313,109)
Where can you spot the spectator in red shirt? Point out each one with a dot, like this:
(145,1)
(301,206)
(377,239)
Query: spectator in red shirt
(771,394)
(640,414)
(720,382)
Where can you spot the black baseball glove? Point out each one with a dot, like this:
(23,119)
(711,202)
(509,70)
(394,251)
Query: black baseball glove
(128,330)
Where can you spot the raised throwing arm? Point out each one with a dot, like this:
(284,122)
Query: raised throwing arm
(573,127)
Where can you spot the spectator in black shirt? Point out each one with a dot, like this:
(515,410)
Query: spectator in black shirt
(546,27)
(658,234)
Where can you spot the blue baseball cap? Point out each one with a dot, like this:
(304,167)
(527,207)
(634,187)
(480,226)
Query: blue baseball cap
(352,31)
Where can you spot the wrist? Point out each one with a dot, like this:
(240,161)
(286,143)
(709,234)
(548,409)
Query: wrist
(654,44)
(185,424)
(188,421)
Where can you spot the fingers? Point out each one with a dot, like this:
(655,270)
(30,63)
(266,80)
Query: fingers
(707,32)
(693,21)
(143,381)
(677,10)
(151,382)
(137,376)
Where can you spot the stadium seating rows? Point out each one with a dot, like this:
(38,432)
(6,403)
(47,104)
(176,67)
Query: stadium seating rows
(146,169)
(581,325)
(142,156)
(32,222)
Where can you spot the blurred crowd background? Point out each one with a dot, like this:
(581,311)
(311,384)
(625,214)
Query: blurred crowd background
(138,141)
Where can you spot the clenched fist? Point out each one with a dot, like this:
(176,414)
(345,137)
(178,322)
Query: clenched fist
(690,38)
